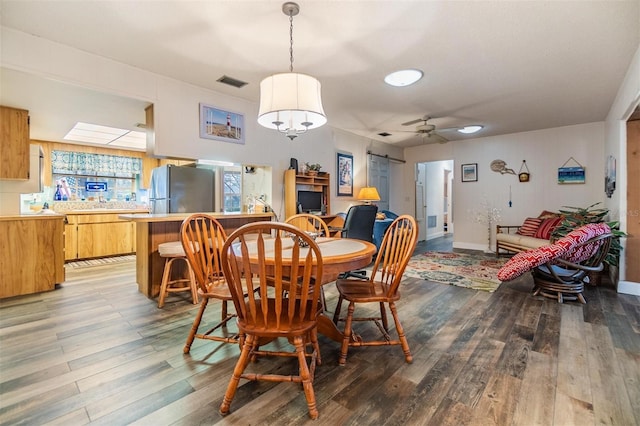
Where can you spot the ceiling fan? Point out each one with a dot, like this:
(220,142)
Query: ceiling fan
(426,130)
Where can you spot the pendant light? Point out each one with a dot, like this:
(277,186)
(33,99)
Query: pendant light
(291,103)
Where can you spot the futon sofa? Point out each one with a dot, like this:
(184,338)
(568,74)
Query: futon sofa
(533,233)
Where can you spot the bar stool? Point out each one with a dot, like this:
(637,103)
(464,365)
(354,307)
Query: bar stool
(173,251)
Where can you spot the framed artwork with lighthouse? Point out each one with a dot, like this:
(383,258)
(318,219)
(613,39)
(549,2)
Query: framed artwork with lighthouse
(222,125)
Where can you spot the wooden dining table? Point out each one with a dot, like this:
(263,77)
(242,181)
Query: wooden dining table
(338,255)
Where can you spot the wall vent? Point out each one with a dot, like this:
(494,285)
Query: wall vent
(384,134)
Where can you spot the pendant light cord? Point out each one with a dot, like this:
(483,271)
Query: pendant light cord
(290,41)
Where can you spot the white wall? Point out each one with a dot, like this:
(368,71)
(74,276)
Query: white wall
(176,115)
(544,150)
(616,144)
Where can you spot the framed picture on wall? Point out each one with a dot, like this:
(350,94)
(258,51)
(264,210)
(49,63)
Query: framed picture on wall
(221,125)
(469,172)
(345,174)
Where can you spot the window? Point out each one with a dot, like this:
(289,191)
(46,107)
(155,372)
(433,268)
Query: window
(90,188)
(95,177)
(231,188)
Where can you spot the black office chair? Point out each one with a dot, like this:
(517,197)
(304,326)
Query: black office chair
(359,225)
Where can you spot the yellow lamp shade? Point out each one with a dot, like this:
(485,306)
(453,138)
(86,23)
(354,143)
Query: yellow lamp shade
(368,193)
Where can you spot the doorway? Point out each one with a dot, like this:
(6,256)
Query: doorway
(434,195)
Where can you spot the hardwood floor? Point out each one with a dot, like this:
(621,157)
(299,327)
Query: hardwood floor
(97,351)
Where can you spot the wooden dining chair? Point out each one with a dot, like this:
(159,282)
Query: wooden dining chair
(310,223)
(382,287)
(259,265)
(202,239)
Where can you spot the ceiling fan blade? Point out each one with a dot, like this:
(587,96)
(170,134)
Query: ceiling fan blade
(409,123)
(417,120)
(438,138)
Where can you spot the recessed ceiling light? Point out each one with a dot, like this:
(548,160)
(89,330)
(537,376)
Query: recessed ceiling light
(470,129)
(403,77)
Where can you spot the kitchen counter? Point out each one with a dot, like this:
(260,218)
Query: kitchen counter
(170,217)
(99,232)
(155,229)
(106,211)
(31,216)
(31,253)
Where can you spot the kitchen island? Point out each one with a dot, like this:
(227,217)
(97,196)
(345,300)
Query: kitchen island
(31,253)
(155,229)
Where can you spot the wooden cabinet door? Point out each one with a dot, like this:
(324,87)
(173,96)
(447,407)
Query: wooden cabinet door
(104,239)
(70,242)
(14,143)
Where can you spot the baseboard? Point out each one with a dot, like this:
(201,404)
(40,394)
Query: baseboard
(629,287)
(435,235)
(471,246)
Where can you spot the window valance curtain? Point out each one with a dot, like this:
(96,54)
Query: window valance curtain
(82,163)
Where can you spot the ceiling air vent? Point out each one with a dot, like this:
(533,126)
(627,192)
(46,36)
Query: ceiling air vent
(384,134)
(232,81)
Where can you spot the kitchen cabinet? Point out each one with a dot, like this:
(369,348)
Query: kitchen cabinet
(14,143)
(31,254)
(100,234)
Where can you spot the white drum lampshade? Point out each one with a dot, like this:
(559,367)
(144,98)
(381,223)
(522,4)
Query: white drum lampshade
(291,103)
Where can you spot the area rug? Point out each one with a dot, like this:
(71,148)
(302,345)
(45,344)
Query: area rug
(478,272)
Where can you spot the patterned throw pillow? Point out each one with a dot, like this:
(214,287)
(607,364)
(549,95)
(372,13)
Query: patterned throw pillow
(546,228)
(529,227)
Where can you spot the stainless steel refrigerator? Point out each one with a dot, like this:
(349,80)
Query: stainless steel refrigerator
(179,189)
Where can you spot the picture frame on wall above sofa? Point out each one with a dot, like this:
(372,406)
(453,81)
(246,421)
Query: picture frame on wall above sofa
(222,125)
(469,172)
(345,174)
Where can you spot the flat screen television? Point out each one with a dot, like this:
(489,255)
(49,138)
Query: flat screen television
(310,201)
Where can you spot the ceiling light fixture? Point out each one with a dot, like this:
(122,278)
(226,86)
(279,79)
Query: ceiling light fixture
(291,102)
(403,77)
(470,129)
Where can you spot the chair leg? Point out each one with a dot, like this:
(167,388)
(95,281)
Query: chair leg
(342,359)
(383,316)
(196,324)
(316,346)
(243,360)
(307,383)
(403,339)
(336,314)
(323,300)
(192,283)
(166,275)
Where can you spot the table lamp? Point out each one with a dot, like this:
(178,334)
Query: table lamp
(368,194)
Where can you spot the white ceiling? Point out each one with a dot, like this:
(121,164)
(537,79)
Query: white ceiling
(512,66)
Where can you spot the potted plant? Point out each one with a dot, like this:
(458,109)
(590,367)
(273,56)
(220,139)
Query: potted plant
(575,217)
(313,168)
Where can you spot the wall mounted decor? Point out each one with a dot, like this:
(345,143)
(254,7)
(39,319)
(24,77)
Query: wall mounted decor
(523,174)
(469,172)
(610,176)
(574,174)
(345,174)
(221,125)
(500,166)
